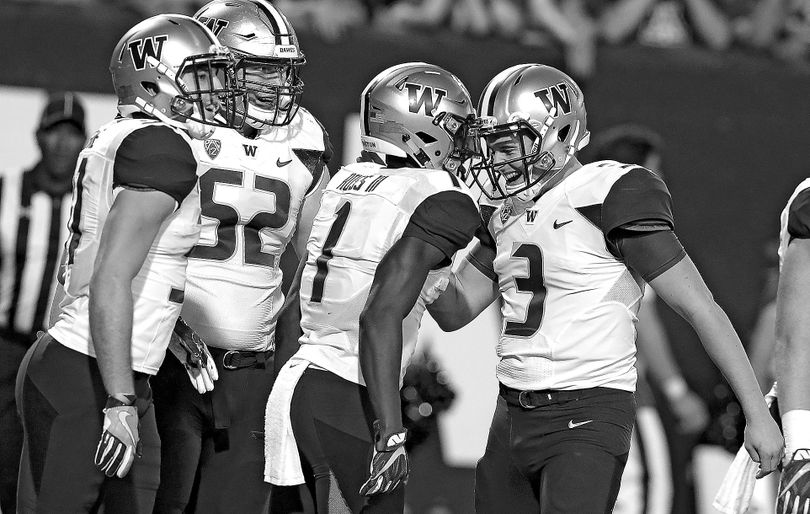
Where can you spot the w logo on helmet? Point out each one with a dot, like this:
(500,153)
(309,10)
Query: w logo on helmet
(140,49)
(430,99)
(555,97)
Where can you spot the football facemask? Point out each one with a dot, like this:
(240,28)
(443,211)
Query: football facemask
(273,88)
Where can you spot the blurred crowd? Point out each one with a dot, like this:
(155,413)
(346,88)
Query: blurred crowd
(780,28)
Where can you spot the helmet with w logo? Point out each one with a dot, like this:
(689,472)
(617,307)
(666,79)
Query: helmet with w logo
(420,111)
(532,120)
(173,68)
(268,56)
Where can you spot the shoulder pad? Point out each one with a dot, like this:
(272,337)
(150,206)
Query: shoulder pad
(306,132)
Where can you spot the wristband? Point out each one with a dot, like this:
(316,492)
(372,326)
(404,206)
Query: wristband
(116,401)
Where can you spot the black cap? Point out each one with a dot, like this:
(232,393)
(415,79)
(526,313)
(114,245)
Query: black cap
(62,107)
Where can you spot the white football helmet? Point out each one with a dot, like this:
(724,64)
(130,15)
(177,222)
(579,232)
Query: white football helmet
(173,68)
(268,57)
(418,110)
(540,112)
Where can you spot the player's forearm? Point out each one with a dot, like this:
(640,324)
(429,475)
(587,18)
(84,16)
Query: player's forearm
(288,331)
(380,361)
(288,326)
(724,347)
(451,310)
(111,330)
(469,292)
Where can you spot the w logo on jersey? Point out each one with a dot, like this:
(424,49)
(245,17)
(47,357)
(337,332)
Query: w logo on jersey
(430,98)
(250,150)
(556,98)
(140,49)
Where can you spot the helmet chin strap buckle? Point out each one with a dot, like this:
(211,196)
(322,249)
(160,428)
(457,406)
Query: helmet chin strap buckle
(546,162)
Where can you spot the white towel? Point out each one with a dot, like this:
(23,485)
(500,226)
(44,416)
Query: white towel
(734,495)
(282,464)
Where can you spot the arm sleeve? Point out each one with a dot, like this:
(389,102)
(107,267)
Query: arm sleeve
(649,253)
(798,225)
(483,234)
(156,157)
(639,200)
(448,220)
(316,160)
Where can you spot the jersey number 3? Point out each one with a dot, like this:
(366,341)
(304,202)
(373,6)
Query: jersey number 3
(532,282)
(229,218)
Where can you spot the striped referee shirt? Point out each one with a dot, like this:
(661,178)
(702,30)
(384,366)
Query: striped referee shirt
(33,226)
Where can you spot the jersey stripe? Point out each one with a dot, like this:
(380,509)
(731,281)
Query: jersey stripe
(21,247)
(43,301)
(9,220)
(30,223)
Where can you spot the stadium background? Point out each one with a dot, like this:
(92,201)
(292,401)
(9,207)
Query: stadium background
(736,129)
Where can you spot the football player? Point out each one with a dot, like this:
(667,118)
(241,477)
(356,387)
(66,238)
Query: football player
(572,245)
(260,194)
(135,217)
(380,251)
(647,480)
(792,351)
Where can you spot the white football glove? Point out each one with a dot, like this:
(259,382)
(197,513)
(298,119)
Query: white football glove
(193,354)
(389,466)
(118,445)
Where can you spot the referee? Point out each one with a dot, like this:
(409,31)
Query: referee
(34,209)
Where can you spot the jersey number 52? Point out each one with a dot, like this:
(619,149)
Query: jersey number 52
(229,218)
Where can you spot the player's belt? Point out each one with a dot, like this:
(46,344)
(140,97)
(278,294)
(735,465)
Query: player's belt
(534,399)
(236,359)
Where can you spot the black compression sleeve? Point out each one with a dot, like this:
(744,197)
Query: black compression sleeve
(649,253)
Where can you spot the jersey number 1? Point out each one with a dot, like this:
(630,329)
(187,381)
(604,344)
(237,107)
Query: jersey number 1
(322,262)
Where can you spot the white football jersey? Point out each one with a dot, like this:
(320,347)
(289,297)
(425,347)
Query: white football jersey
(365,209)
(784,237)
(569,305)
(158,286)
(251,198)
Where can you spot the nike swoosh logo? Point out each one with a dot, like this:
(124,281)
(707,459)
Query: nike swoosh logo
(122,418)
(571,423)
(795,479)
(281,163)
(558,224)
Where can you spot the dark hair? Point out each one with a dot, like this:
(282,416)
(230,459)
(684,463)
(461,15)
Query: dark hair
(631,144)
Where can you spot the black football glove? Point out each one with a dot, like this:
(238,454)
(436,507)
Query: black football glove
(193,354)
(794,485)
(389,465)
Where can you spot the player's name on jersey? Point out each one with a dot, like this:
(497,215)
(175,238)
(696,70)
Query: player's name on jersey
(356,182)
